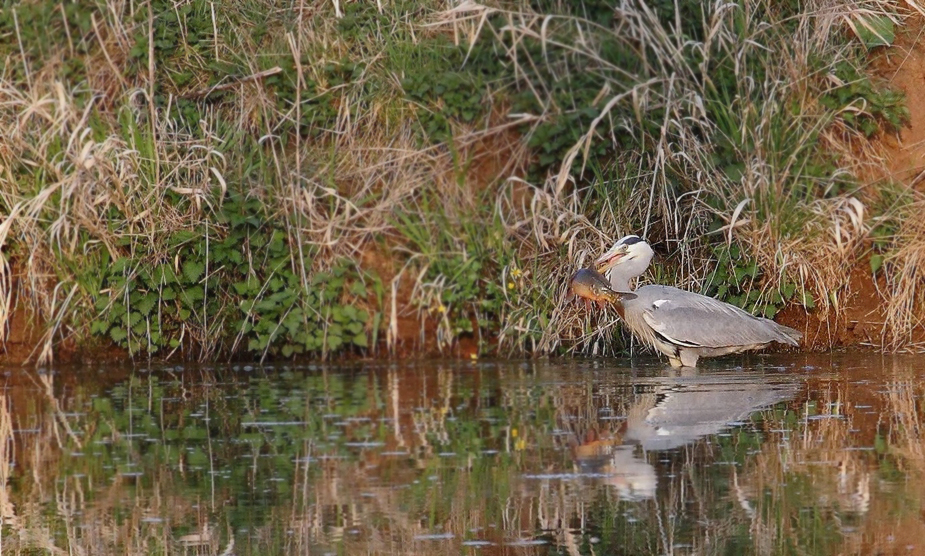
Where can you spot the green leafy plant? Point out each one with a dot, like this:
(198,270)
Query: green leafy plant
(237,279)
(32,23)
(446,90)
(874,30)
(736,279)
(864,105)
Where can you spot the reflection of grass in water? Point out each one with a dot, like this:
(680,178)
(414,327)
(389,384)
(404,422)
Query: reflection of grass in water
(793,488)
(812,492)
(177,453)
(799,501)
(7,460)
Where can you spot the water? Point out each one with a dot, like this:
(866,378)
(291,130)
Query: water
(760,455)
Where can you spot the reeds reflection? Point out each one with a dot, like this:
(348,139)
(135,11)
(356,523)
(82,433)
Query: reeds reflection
(806,455)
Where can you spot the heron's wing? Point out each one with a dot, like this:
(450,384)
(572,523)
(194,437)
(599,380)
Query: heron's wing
(693,320)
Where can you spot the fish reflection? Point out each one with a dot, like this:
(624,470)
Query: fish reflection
(619,466)
(670,413)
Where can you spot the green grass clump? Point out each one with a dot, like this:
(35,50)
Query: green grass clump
(864,105)
(445,96)
(27,26)
(461,260)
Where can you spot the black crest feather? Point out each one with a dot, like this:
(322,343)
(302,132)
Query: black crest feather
(630,240)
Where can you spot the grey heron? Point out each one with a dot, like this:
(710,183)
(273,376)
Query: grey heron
(683,325)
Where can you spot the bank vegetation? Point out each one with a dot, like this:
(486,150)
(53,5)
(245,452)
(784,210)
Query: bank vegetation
(240,178)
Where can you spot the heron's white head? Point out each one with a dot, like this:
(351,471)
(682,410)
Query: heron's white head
(629,257)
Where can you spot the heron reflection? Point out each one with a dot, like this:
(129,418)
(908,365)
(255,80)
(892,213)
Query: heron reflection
(671,413)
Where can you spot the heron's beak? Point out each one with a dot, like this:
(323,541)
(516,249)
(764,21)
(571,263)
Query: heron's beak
(609,259)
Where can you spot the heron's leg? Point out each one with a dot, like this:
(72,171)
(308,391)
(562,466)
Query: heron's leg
(689,357)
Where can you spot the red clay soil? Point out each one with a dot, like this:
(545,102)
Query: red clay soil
(22,337)
(903,67)
(23,343)
(857,324)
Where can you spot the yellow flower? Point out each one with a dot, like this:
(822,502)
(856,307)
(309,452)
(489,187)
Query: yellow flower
(520,444)
(513,433)
(473,356)
(441,308)
(516,272)
(510,285)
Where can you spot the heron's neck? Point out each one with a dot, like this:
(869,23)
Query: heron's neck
(620,281)
(635,265)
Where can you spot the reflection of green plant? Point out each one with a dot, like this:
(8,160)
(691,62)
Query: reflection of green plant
(254,440)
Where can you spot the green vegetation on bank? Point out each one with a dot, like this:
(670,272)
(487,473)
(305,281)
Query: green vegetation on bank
(224,178)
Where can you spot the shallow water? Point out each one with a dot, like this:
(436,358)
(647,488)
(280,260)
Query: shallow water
(761,455)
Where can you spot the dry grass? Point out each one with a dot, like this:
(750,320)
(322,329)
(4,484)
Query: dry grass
(803,238)
(100,166)
(904,292)
(336,194)
(78,184)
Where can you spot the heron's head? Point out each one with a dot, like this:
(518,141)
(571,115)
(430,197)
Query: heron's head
(628,249)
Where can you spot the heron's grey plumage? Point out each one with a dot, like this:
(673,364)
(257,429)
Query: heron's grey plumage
(681,324)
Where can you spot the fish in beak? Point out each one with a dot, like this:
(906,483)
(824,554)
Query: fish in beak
(591,286)
(610,258)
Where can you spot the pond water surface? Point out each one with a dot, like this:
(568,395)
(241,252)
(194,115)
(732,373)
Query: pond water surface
(762,455)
